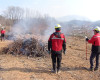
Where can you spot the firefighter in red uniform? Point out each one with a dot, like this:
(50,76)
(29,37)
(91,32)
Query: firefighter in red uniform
(2,34)
(57,44)
(95,41)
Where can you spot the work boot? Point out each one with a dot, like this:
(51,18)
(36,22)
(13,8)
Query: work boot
(58,71)
(91,69)
(54,71)
(96,68)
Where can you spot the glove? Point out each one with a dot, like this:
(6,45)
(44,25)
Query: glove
(86,38)
(64,52)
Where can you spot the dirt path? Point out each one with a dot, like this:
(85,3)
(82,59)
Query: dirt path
(74,65)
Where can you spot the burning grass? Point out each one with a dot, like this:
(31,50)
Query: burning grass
(29,47)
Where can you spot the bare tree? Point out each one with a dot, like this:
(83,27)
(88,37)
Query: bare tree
(14,13)
(2,20)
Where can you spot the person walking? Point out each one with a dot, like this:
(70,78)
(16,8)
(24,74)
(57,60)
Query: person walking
(57,44)
(95,50)
(2,34)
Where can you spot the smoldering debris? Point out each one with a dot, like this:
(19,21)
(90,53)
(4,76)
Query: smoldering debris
(29,47)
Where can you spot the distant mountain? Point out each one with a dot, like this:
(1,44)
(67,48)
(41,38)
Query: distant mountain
(72,17)
(78,24)
(96,23)
(78,27)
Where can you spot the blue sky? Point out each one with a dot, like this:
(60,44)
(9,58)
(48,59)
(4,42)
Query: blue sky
(58,8)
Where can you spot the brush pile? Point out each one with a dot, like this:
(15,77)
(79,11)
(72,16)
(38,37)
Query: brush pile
(29,47)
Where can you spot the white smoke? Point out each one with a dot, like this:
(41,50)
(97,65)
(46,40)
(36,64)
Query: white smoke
(41,27)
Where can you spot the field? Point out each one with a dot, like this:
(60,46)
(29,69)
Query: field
(74,64)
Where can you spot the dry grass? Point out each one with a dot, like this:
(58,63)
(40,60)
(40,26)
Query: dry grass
(74,65)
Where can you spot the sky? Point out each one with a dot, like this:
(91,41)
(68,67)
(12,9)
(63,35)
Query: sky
(58,8)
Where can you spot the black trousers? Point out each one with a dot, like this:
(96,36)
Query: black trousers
(93,55)
(56,59)
(2,36)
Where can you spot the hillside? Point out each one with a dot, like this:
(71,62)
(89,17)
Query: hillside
(72,17)
(74,65)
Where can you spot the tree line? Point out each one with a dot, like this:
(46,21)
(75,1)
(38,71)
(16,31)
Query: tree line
(27,18)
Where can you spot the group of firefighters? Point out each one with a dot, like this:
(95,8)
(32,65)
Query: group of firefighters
(57,45)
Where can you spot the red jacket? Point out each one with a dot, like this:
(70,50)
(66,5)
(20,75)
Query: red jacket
(95,40)
(56,41)
(2,31)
